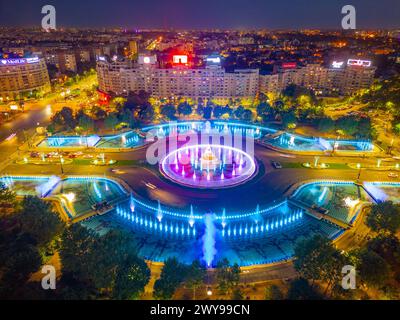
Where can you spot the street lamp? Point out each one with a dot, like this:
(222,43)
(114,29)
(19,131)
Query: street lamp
(61,163)
(359,171)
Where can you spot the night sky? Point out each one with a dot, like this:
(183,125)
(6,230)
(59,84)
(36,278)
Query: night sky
(181,14)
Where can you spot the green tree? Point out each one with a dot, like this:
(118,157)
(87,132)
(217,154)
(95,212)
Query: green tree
(273,292)
(300,289)
(172,275)
(76,244)
(127,117)
(132,276)
(326,124)
(22,260)
(86,123)
(195,276)
(349,124)
(238,113)
(108,263)
(237,294)
(111,121)
(7,197)
(372,268)
(227,276)
(99,113)
(318,259)
(384,217)
(288,118)
(145,113)
(218,111)
(72,287)
(200,110)
(388,247)
(247,115)
(38,220)
(207,112)
(67,116)
(185,108)
(169,111)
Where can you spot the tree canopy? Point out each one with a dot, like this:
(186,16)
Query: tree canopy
(384,217)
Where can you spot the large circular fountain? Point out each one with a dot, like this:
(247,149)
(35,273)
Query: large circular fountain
(208,166)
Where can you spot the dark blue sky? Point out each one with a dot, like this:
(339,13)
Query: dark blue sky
(202,13)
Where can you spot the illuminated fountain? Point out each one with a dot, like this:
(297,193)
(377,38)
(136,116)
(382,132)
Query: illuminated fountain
(208,166)
(376,193)
(209,161)
(209,250)
(45,188)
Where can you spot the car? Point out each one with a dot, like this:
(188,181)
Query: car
(117,171)
(276,164)
(393,175)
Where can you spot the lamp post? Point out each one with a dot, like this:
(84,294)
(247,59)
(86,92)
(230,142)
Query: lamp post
(61,164)
(359,171)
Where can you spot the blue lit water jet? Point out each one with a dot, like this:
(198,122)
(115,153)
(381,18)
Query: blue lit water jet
(209,250)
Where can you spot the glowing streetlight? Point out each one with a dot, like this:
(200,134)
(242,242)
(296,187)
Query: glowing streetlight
(70,196)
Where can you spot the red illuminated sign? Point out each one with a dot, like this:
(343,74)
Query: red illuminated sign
(289,65)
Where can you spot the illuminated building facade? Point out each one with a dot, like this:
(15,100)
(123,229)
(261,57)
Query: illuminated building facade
(341,77)
(21,76)
(120,76)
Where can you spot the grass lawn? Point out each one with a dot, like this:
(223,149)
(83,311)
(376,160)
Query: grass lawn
(86,162)
(299,165)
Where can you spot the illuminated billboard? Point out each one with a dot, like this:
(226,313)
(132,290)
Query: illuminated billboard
(19,61)
(146,59)
(214,60)
(337,64)
(289,65)
(359,63)
(180,59)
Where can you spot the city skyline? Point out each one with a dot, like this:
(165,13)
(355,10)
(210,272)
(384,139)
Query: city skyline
(185,14)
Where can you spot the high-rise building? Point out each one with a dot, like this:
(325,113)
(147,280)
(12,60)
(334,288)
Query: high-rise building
(120,76)
(133,48)
(64,60)
(19,76)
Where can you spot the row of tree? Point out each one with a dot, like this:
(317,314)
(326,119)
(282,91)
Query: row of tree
(377,264)
(92,266)
(28,236)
